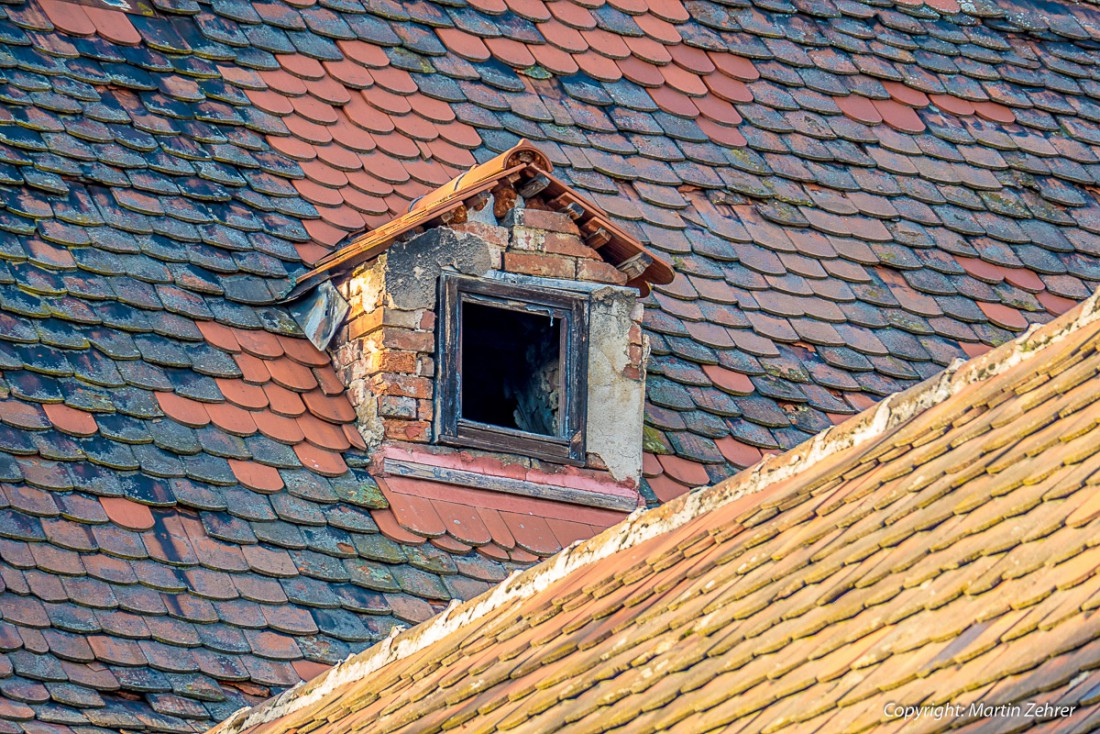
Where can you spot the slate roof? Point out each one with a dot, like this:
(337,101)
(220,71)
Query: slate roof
(938,549)
(853,194)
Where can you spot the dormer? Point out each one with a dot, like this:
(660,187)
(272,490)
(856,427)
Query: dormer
(492,337)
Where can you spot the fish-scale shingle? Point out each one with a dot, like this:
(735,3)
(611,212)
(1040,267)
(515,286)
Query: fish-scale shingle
(854,195)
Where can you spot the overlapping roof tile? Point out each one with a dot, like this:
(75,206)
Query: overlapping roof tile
(178,467)
(936,551)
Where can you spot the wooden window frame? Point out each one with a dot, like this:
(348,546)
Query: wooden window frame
(568,446)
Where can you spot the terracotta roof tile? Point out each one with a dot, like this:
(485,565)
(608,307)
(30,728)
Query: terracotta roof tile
(336,409)
(557,61)
(899,116)
(994,112)
(666,488)
(256,476)
(684,471)
(294,147)
(568,532)
(322,433)
(274,102)
(68,18)
(450,544)
(573,14)
(640,72)
(288,84)
(242,393)
(658,29)
(308,669)
(65,419)
(284,401)
(1054,304)
(231,419)
(1003,315)
(219,335)
(859,108)
(673,101)
(127,513)
(262,344)
(463,522)
(184,410)
(389,525)
(498,528)
(738,453)
(906,95)
(954,105)
(113,25)
(531,533)
(322,461)
(1025,279)
(281,428)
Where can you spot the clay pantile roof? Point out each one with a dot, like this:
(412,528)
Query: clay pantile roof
(937,549)
(166,175)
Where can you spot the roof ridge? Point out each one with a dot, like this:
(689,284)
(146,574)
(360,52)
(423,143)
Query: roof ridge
(644,525)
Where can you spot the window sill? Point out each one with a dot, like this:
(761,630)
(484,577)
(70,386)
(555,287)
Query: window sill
(471,434)
(617,501)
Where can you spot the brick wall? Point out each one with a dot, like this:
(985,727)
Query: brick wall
(386,351)
(548,244)
(386,359)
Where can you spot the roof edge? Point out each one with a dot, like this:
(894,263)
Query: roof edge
(644,525)
(523,162)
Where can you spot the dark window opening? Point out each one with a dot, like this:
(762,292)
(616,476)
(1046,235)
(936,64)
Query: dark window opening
(511,368)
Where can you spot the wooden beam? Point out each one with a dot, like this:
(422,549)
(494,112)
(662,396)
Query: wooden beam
(508,485)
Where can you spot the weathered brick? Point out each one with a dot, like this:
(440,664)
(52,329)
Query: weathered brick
(403,430)
(425,410)
(524,238)
(407,385)
(357,370)
(567,244)
(541,219)
(493,235)
(400,318)
(547,266)
(365,323)
(408,339)
(397,406)
(395,361)
(601,272)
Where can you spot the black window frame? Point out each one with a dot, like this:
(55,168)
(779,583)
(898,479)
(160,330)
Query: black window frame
(568,446)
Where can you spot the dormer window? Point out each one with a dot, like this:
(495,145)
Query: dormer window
(495,324)
(513,367)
